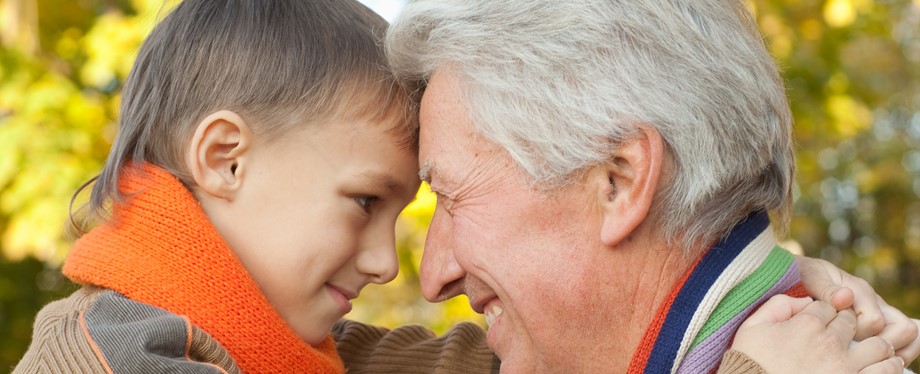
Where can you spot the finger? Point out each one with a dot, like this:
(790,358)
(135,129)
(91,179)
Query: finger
(815,316)
(899,330)
(825,282)
(778,308)
(894,365)
(843,327)
(869,352)
(842,298)
(820,278)
(868,306)
(910,352)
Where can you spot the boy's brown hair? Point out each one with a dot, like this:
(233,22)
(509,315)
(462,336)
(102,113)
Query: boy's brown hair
(280,64)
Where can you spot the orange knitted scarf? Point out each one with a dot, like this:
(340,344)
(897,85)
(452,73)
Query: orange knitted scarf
(159,248)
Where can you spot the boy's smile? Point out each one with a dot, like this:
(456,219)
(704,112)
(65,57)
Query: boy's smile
(312,216)
(342,297)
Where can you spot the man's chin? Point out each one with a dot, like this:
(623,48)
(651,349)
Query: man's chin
(512,366)
(515,357)
(514,362)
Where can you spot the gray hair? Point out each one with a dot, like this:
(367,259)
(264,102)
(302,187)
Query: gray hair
(280,64)
(557,84)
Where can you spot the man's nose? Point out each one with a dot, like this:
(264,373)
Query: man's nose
(441,274)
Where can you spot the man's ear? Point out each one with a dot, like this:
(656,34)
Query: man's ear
(217,154)
(629,182)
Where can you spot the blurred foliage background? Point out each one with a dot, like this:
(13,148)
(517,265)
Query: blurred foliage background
(852,69)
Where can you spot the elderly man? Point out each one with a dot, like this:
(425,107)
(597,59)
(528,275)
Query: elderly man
(604,173)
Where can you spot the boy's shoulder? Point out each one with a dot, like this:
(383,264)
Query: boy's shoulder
(57,344)
(413,349)
(100,330)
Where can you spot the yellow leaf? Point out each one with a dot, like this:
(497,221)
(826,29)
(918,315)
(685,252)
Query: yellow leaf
(36,231)
(848,115)
(421,209)
(839,13)
(777,32)
(811,29)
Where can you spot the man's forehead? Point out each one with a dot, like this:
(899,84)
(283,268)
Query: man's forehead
(446,177)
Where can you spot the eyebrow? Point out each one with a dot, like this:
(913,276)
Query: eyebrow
(426,170)
(390,184)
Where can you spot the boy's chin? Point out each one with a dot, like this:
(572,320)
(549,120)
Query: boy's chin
(315,340)
(313,334)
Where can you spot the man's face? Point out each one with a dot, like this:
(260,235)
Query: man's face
(523,256)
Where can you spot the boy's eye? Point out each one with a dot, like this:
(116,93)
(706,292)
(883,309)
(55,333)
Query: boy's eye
(366,202)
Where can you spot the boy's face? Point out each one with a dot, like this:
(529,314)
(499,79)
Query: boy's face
(313,220)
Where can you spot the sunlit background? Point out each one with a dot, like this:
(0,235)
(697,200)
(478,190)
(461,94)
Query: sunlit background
(852,68)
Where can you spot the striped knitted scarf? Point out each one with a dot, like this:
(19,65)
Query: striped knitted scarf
(159,248)
(695,325)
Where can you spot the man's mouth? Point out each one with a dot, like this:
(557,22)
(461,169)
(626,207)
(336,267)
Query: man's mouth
(492,312)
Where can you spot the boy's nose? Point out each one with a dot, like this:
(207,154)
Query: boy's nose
(378,260)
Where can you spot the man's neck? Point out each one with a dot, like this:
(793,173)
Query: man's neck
(649,273)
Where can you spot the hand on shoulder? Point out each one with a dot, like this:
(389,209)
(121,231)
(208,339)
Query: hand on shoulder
(799,335)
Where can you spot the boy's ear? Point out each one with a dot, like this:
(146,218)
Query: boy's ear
(217,154)
(628,183)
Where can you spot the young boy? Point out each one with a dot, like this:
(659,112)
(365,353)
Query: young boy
(263,156)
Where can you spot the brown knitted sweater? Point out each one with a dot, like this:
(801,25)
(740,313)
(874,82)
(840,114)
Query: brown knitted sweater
(60,345)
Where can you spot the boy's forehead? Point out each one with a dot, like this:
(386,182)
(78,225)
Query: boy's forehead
(381,104)
(388,183)
(400,127)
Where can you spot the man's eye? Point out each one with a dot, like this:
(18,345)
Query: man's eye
(366,202)
(444,202)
